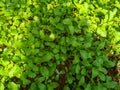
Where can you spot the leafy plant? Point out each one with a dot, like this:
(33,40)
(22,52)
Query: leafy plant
(56,44)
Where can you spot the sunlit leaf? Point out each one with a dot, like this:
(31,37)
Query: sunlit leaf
(2,86)
(13,86)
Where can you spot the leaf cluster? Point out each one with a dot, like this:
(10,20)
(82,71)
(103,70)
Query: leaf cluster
(58,44)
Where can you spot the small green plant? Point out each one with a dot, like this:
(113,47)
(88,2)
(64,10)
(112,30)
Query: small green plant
(56,44)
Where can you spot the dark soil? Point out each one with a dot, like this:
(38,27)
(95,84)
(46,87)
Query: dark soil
(62,77)
(113,72)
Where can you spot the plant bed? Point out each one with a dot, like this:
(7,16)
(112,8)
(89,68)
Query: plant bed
(59,45)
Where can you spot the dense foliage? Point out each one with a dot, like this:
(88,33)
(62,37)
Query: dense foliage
(59,44)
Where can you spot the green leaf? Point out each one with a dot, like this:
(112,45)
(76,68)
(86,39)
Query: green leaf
(1,4)
(52,85)
(33,86)
(27,51)
(76,59)
(86,63)
(109,64)
(102,76)
(60,26)
(84,54)
(83,71)
(57,19)
(108,78)
(66,88)
(12,86)
(35,68)
(101,45)
(70,79)
(111,84)
(88,87)
(100,87)
(95,72)
(12,71)
(35,31)
(52,36)
(71,28)
(67,21)
(84,22)
(25,81)
(111,14)
(42,35)
(102,69)
(77,70)
(47,57)
(52,21)
(17,44)
(52,69)
(118,42)
(31,74)
(2,86)
(56,50)
(16,59)
(36,18)
(73,41)
(42,87)
(57,12)
(39,80)
(98,62)
(81,81)
(87,44)
(44,71)
(102,31)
